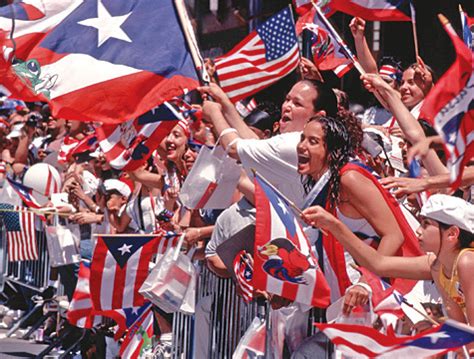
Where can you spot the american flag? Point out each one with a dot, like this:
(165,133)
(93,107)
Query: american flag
(119,267)
(243,275)
(20,232)
(366,342)
(264,56)
(450,107)
(127,146)
(139,336)
(67,146)
(284,263)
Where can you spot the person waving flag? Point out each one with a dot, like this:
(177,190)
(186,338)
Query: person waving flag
(92,60)
(450,107)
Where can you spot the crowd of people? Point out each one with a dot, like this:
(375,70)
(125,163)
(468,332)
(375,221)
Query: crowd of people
(347,171)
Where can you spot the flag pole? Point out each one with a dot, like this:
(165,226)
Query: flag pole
(346,49)
(413,26)
(338,38)
(191,41)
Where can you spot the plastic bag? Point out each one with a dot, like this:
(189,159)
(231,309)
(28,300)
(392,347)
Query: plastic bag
(171,285)
(212,180)
(63,245)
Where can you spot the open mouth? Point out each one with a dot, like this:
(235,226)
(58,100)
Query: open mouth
(302,160)
(285,119)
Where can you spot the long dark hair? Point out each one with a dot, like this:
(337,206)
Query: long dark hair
(340,149)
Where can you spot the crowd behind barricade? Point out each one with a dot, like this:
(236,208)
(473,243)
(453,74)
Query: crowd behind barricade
(371,188)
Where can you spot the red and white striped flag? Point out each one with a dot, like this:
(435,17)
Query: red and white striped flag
(119,267)
(264,56)
(128,145)
(20,232)
(284,263)
(139,336)
(81,313)
(243,274)
(329,51)
(449,107)
(67,146)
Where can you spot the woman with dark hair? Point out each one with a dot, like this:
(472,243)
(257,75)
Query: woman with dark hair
(334,180)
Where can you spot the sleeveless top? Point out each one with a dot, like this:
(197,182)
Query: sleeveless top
(452,285)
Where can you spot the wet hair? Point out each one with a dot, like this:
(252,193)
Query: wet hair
(342,99)
(354,128)
(339,149)
(263,116)
(326,99)
(465,238)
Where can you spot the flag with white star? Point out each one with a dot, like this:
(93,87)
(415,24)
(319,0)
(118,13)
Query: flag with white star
(264,56)
(118,269)
(284,262)
(366,342)
(449,107)
(95,60)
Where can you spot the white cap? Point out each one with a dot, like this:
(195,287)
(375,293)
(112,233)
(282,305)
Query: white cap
(450,210)
(15,131)
(44,180)
(120,186)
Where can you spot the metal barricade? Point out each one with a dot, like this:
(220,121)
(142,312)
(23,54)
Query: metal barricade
(229,318)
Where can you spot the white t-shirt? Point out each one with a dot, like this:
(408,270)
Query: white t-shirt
(276,160)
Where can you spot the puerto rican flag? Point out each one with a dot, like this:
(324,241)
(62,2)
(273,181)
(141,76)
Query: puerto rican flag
(92,60)
(22,11)
(119,268)
(67,146)
(284,263)
(243,274)
(139,336)
(127,146)
(467,28)
(385,298)
(450,108)
(125,318)
(366,342)
(327,52)
(81,312)
(24,192)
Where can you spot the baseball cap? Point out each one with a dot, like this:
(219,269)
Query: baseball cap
(120,186)
(450,210)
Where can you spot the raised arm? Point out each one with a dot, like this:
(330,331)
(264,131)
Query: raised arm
(364,55)
(229,112)
(408,124)
(366,256)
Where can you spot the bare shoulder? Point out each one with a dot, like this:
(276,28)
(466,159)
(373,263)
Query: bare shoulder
(353,181)
(465,264)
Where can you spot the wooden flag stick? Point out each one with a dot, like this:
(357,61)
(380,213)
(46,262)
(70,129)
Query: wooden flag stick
(338,38)
(191,41)
(413,26)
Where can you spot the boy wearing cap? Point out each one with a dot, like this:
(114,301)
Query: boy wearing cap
(446,235)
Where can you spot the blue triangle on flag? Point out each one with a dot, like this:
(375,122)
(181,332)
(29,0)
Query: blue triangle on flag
(123,247)
(160,113)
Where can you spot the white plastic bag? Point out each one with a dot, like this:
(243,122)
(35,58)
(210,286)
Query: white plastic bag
(171,285)
(212,180)
(63,245)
